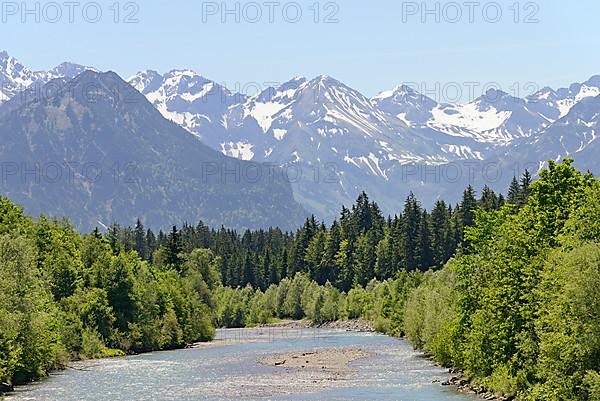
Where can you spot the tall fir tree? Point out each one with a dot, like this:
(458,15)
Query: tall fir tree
(173,248)
(441,243)
(140,240)
(525,188)
(410,232)
(425,258)
(514,192)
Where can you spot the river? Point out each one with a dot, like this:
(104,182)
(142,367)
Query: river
(230,368)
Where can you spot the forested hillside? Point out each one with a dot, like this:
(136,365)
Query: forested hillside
(504,288)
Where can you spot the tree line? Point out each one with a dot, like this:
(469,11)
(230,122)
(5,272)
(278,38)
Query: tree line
(360,246)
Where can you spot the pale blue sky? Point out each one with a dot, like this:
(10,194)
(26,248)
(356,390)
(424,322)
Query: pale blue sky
(370,48)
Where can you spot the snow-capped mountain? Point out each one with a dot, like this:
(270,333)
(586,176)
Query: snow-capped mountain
(574,135)
(496,117)
(336,142)
(334,133)
(190,100)
(16,78)
(558,103)
(405,103)
(313,117)
(338,138)
(63,70)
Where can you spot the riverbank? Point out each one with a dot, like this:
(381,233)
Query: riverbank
(464,385)
(359,326)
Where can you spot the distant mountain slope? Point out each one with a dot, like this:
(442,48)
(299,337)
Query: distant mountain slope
(126,161)
(575,135)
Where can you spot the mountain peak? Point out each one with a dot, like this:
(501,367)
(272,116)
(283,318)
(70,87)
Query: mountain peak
(70,70)
(14,76)
(593,81)
(400,92)
(326,80)
(145,74)
(493,96)
(293,83)
(298,78)
(183,73)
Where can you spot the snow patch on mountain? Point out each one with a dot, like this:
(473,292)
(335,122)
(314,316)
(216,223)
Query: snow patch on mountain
(239,150)
(279,134)
(264,113)
(467,116)
(565,105)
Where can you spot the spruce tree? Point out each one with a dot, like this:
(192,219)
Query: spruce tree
(173,248)
(249,277)
(525,189)
(284,264)
(514,191)
(151,243)
(411,231)
(489,200)
(425,259)
(467,207)
(440,234)
(140,240)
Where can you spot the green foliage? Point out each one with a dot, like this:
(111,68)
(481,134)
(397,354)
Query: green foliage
(427,316)
(569,322)
(519,309)
(592,386)
(28,317)
(66,296)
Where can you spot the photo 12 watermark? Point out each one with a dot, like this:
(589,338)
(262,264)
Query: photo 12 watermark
(470,12)
(68,172)
(92,91)
(463,172)
(469,91)
(71,12)
(252,173)
(270,12)
(470,172)
(271,334)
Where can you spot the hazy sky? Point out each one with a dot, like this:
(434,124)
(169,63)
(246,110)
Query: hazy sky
(373,46)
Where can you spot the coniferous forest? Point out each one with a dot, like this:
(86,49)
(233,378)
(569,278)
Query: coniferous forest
(503,287)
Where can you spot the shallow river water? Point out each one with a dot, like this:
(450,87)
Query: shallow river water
(230,369)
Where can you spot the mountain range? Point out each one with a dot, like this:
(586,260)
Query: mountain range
(333,142)
(94,149)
